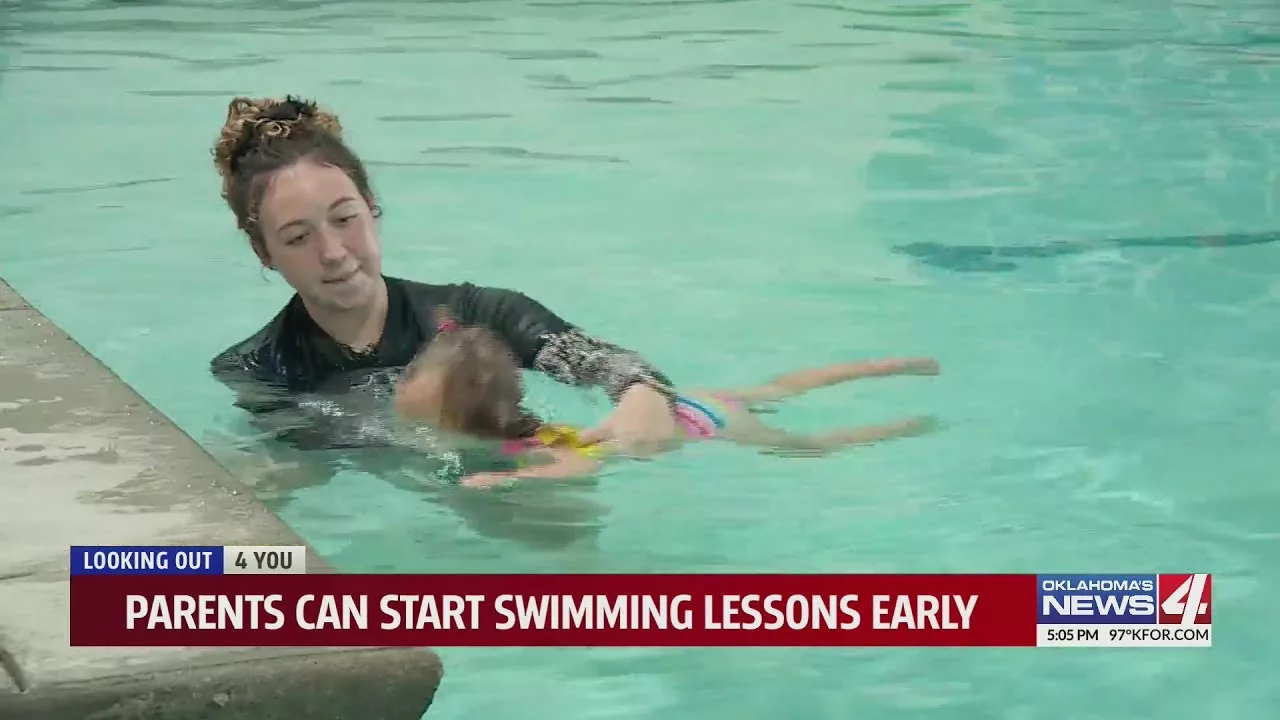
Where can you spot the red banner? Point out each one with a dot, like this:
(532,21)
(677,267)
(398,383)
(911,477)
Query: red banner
(554,610)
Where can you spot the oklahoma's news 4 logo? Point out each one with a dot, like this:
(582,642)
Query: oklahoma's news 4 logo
(1185,599)
(1149,598)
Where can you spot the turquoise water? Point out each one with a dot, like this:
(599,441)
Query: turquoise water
(735,188)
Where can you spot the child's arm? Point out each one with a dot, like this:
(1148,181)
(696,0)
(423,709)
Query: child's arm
(565,463)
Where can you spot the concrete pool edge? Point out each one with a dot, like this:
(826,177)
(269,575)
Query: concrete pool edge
(86,460)
(248,684)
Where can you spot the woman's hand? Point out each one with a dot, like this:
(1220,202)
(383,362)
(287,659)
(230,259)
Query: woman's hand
(641,424)
(565,463)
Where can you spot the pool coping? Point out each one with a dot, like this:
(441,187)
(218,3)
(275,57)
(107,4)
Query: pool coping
(88,461)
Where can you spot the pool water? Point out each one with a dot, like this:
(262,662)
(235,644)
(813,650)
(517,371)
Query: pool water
(740,189)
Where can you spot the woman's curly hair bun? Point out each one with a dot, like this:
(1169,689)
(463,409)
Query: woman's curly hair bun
(253,122)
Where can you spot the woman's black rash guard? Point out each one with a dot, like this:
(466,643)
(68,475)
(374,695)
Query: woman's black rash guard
(292,357)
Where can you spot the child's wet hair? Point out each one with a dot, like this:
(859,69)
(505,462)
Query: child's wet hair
(481,384)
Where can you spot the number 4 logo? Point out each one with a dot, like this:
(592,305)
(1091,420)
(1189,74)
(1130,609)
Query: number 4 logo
(1185,601)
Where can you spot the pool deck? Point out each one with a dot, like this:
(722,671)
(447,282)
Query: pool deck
(84,460)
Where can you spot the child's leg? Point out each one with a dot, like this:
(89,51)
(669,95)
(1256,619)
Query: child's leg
(802,381)
(775,441)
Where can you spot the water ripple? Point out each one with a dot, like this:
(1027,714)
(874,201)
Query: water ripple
(682,33)
(1060,43)
(442,117)
(7,211)
(519,153)
(625,100)
(717,71)
(188,93)
(141,54)
(907,11)
(633,3)
(989,258)
(54,68)
(547,54)
(71,190)
(421,164)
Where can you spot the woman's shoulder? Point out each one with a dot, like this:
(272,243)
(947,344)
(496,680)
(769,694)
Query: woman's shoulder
(469,302)
(435,294)
(423,297)
(258,348)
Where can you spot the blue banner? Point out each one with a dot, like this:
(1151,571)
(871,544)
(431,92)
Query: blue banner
(1097,599)
(145,560)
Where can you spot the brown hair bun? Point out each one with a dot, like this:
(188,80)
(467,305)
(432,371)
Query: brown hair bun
(252,122)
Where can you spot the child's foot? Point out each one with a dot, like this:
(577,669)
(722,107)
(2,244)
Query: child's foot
(920,425)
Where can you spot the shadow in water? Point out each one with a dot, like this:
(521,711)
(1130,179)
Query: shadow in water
(992,258)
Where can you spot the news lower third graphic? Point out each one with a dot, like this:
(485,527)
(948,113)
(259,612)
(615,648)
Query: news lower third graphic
(1159,610)
(215,596)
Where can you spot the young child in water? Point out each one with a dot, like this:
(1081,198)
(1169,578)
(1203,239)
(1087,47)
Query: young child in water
(467,383)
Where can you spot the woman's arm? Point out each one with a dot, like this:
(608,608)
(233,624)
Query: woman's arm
(253,393)
(304,421)
(546,343)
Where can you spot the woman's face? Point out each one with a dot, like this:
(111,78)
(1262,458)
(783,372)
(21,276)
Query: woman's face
(320,235)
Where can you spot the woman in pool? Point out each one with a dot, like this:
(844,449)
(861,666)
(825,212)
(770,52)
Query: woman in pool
(467,383)
(304,200)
